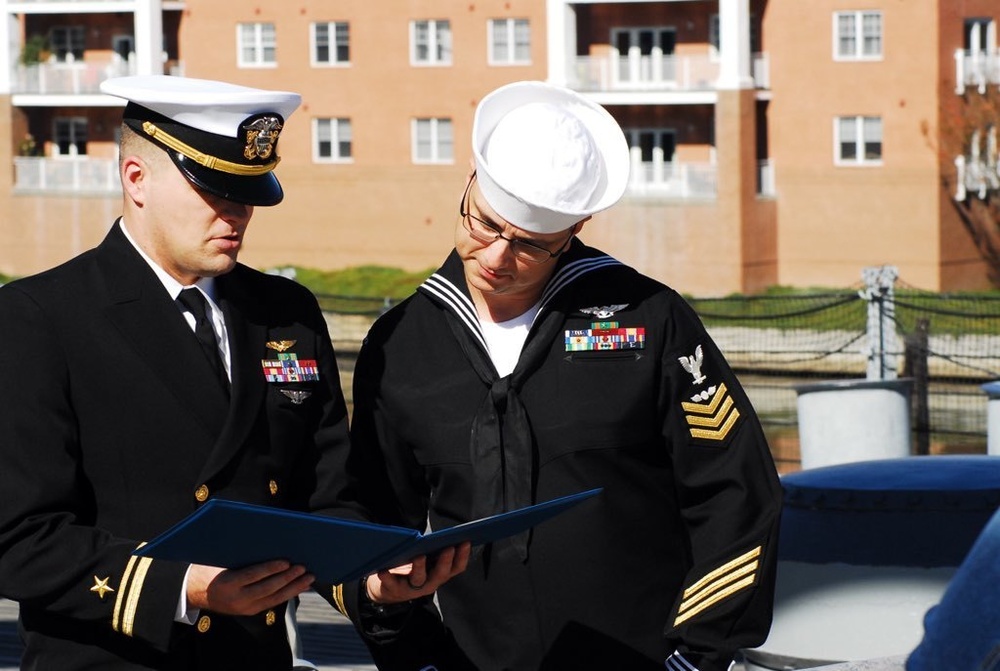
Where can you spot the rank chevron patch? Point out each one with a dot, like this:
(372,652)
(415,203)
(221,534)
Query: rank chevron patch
(714,419)
(719,584)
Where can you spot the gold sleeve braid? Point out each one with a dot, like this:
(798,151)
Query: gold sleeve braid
(127,600)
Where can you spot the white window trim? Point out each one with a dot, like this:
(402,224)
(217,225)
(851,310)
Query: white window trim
(435,160)
(433,33)
(333,46)
(511,25)
(861,161)
(259,44)
(315,142)
(859,35)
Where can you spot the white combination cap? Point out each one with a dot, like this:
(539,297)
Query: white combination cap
(223,137)
(546,157)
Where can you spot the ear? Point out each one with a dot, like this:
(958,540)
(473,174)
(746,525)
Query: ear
(578,226)
(135,177)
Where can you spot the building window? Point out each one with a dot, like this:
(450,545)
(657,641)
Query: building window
(331,43)
(256,45)
(433,141)
(70,136)
(859,140)
(509,42)
(331,140)
(715,38)
(980,36)
(66,43)
(430,42)
(857,36)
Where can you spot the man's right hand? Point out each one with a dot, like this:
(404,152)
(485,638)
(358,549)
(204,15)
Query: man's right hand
(245,591)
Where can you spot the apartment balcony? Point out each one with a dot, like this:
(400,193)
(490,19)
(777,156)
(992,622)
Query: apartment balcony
(81,6)
(82,77)
(656,72)
(976,68)
(977,176)
(684,181)
(66,175)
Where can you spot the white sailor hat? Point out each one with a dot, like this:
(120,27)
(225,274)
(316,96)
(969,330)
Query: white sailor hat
(222,137)
(546,157)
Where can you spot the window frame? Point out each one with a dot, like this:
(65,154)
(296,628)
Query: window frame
(70,47)
(336,140)
(859,36)
(861,142)
(333,44)
(511,46)
(434,141)
(74,124)
(259,46)
(440,45)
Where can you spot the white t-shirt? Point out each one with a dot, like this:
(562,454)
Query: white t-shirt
(505,339)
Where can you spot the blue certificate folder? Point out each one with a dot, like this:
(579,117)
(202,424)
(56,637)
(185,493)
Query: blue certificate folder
(231,534)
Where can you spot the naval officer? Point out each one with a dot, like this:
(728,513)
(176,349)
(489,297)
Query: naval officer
(139,383)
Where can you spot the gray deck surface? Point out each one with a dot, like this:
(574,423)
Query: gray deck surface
(328,639)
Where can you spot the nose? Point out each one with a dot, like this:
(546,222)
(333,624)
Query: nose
(497,253)
(236,214)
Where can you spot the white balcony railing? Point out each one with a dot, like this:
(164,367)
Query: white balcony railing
(656,72)
(976,68)
(66,175)
(765,178)
(81,77)
(977,176)
(673,180)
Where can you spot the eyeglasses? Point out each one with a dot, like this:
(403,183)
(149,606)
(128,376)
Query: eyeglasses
(486,234)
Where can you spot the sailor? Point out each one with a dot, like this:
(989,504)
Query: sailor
(532,366)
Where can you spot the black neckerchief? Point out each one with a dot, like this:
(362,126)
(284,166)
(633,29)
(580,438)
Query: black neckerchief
(500,443)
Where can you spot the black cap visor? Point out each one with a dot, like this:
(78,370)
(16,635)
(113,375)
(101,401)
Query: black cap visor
(260,190)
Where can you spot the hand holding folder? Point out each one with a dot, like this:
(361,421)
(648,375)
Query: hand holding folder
(232,535)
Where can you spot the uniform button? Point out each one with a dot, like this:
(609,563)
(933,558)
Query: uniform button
(204,623)
(270,618)
(272,487)
(201,493)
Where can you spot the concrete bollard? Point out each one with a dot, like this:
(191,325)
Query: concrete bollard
(854,420)
(992,390)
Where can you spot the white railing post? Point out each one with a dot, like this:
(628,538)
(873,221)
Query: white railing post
(878,291)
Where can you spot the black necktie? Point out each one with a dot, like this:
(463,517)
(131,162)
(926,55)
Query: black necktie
(195,302)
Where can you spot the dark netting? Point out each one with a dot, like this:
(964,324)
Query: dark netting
(949,345)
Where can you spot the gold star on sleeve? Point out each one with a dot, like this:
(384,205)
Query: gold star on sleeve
(102,587)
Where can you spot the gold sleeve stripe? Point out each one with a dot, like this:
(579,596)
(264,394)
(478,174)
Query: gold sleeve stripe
(707,408)
(717,585)
(134,592)
(720,433)
(712,421)
(338,598)
(732,589)
(725,568)
(201,158)
(120,599)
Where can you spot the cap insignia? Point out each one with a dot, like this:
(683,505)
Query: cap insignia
(261,134)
